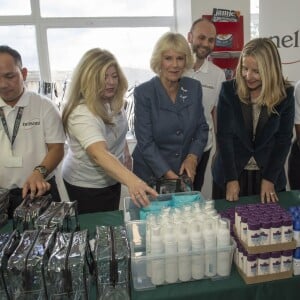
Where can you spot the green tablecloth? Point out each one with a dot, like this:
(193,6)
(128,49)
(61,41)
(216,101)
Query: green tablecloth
(232,288)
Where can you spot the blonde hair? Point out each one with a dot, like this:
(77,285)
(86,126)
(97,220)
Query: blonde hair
(170,41)
(273,89)
(88,84)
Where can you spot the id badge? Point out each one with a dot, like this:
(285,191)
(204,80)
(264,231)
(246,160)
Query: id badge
(13,162)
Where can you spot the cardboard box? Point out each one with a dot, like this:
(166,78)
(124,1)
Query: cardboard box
(264,278)
(267,248)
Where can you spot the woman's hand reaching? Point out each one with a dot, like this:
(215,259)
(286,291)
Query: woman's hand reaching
(138,191)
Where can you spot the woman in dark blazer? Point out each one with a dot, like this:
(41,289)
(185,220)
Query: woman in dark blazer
(170,126)
(255,117)
(294,158)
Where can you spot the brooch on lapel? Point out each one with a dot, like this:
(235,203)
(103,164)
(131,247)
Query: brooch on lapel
(182,94)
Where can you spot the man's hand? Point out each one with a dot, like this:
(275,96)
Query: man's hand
(36,184)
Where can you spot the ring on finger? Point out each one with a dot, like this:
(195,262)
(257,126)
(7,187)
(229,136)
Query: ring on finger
(272,193)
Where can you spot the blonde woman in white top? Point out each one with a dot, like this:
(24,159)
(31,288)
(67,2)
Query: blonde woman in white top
(96,128)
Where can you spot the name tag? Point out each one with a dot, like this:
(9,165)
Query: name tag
(13,162)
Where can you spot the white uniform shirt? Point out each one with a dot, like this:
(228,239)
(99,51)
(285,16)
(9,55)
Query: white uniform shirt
(297,103)
(211,78)
(86,129)
(40,124)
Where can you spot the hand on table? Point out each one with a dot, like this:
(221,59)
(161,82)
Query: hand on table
(232,190)
(267,192)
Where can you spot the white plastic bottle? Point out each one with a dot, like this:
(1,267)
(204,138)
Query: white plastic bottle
(198,264)
(157,257)
(210,244)
(296,262)
(223,249)
(150,222)
(184,255)
(171,262)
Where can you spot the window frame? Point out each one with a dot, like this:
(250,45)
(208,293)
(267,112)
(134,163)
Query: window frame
(42,24)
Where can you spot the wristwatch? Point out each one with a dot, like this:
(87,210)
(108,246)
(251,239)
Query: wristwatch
(43,170)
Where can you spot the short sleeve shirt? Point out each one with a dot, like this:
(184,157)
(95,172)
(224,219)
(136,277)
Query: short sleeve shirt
(40,124)
(211,78)
(85,129)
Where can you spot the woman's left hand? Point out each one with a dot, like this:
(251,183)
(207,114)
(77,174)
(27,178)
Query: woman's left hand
(189,166)
(267,192)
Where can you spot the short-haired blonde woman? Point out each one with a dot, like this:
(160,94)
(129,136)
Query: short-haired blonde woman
(255,118)
(170,126)
(96,127)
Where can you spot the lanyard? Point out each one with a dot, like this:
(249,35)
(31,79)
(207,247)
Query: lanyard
(16,126)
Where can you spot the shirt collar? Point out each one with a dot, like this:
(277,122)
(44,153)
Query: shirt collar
(204,67)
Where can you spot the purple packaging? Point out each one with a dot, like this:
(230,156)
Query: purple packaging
(286,260)
(263,264)
(275,262)
(276,231)
(253,232)
(251,269)
(287,230)
(265,231)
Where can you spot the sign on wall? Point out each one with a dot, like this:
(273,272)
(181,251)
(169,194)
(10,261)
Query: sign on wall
(280,21)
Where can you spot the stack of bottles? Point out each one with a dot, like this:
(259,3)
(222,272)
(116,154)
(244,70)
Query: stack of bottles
(264,236)
(264,263)
(295,214)
(187,243)
(263,224)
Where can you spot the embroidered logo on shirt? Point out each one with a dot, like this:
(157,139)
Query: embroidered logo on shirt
(30,124)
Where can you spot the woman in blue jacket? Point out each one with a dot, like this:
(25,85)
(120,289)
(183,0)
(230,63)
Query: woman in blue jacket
(170,126)
(255,117)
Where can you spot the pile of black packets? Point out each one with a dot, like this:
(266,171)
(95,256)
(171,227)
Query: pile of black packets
(112,256)
(46,257)
(4,201)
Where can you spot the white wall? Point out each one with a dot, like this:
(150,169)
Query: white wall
(282,19)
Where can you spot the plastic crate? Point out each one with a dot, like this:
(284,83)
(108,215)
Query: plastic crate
(132,212)
(142,263)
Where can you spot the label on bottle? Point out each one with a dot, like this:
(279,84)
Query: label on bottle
(296,266)
(297,237)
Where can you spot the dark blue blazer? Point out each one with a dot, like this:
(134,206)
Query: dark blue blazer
(165,131)
(235,139)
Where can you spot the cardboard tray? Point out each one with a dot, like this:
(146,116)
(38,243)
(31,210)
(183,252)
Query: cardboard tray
(264,278)
(267,248)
